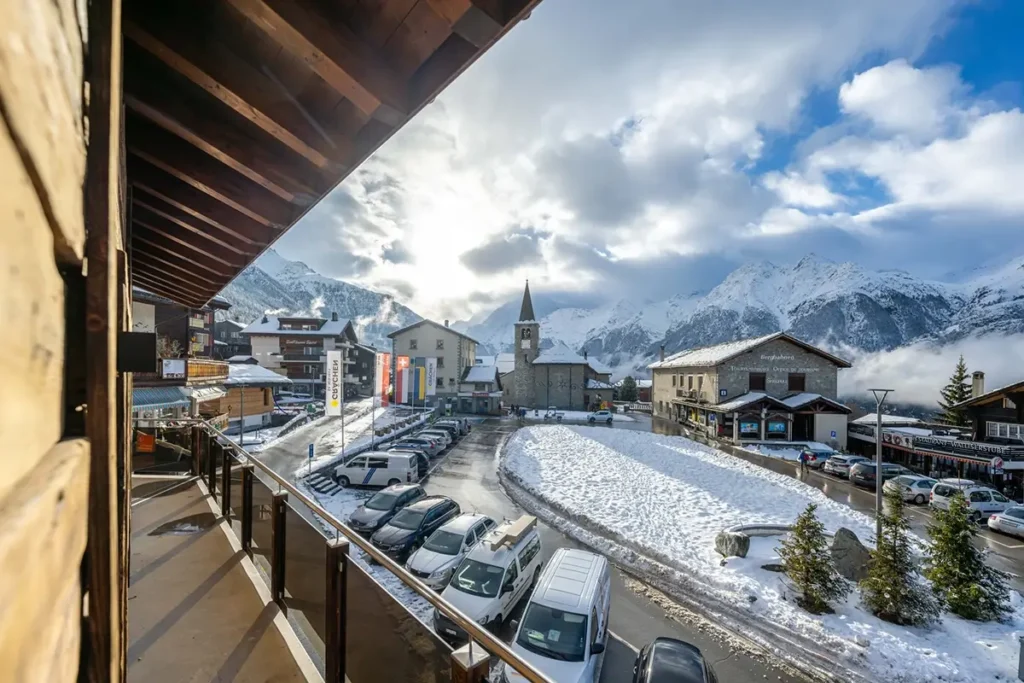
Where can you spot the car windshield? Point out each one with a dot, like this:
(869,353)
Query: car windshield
(444,542)
(381,501)
(407,519)
(553,633)
(478,578)
(1016,513)
(925,483)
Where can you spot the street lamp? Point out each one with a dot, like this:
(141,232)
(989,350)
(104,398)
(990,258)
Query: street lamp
(880,395)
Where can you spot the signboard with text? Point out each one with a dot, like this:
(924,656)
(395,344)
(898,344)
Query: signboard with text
(333,389)
(173,368)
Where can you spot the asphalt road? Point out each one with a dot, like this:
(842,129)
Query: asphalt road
(1006,553)
(469,475)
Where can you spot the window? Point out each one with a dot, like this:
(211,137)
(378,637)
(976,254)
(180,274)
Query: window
(358,463)
(451,381)
(479,387)
(999,498)
(414,344)
(980,497)
(757,381)
(381,463)
(593,625)
(673,380)
(512,574)
(440,344)
(440,362)
(440,382)
(797,381)
(529,552)
(700,383)
(689,381)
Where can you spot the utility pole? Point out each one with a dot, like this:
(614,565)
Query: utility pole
(880,395)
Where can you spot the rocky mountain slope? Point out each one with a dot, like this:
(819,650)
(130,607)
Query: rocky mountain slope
(274,284)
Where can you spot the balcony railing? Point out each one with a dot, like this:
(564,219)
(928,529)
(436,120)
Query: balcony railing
(184,371)
(304,358)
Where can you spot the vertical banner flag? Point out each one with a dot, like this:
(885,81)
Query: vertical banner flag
(431,376)
(382,378)
(333,388)
(402,379)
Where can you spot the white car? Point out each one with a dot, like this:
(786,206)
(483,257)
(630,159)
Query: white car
(435,561)
(378,469)
(915,489)
(982,500)
(1009,521)
(839,465)
(600,416)
(439,434)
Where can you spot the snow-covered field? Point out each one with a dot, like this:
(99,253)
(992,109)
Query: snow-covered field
(786,450)
(667,497)
(573,416)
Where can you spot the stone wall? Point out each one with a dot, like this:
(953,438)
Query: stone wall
(561,386)
(777,359)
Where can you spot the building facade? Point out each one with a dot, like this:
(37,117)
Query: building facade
(297,348)
(775,387)
(181,331)
(453,350)
(230,341)
(480,390)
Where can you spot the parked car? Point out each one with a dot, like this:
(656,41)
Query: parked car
(817,457)
(982,500)
(667,660)
(564,629)
(439,435)
(1009,521)
(863,473)
(407,530)
(600,416)
(839,465)
(451,430)
(422,459)
(915,488)
(461,423)
(429,446)
(435,561)
(382,506)
(378,469)
(493,577)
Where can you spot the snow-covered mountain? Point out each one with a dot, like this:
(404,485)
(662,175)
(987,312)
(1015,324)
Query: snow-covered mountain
(273,284)
(833,304)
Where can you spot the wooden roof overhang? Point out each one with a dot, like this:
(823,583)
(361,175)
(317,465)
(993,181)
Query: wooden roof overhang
(240,115)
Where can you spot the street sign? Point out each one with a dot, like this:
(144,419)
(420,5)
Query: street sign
(310,451)
(996,463)
(833,433)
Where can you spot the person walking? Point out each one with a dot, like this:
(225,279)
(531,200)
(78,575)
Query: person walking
(803,464)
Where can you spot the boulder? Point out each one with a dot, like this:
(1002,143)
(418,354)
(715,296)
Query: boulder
(849,555)
(730,544)
(774,567)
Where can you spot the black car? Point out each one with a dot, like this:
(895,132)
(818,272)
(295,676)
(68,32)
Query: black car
(375,513)
(407,530)
(667,660)
(863,473)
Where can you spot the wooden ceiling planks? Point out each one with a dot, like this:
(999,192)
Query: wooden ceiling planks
(241,114)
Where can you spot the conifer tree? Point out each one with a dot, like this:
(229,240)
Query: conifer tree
(960,578)
(892,590)
(956,391)
(805,555)
(627,392)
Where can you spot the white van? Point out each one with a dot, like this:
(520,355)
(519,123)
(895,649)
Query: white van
(564,629)
(982,500)
(493,577)
(378,469)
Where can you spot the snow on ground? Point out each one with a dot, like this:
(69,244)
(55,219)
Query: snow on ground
(573,416)
(787,450)
(358,435)
(256,440)
(667,497)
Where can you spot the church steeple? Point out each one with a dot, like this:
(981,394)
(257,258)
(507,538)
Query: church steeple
(526,310)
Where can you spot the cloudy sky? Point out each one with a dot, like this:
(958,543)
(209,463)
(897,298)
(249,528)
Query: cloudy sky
(651,146)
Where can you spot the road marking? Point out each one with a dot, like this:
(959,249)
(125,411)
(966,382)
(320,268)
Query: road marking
(1005,545)
(625,642)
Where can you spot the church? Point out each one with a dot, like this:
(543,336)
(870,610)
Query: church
(556,376)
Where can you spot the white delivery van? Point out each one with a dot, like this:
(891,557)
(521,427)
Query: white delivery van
(378,469)
(493,577)
(564,629)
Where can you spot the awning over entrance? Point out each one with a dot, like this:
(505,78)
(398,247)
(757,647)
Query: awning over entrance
(153,398)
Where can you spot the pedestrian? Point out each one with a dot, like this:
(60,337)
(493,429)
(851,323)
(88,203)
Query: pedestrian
(803,463)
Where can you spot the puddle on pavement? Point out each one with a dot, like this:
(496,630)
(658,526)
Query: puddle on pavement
(184,526)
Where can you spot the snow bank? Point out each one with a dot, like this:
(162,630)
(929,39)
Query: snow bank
(666,498)
(358,437)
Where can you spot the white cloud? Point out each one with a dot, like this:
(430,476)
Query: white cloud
(797,190)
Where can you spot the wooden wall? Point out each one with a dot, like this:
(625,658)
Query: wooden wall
(256,401)
(49,441)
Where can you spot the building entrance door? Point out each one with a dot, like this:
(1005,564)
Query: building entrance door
(803,427)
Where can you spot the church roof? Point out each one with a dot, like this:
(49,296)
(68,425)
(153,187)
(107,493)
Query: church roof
(559,355)
(526,310)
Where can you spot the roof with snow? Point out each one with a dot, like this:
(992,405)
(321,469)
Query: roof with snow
(719,353)
(599,367)
(486,360)
(242,359)
(243,375)
(640,383)
(797,401)
(366,347)
(869,419)
(506,362)
(233,323)
(407,328)
(480,373)
(272,326)
(997,394)
(598,384)
(746,400)
(559,355)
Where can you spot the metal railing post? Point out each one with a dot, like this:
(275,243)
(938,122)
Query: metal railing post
(225,483)
(211,466)
(247,472)
(278,510)
(197,450)
(470,664)
(337,596)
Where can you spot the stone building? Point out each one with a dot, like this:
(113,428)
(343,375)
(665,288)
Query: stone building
(771,387)
(557,376)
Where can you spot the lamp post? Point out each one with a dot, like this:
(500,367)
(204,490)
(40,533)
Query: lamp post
(880,395)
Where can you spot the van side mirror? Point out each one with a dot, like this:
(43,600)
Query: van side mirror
(514,624)
(597,648)
(506,588)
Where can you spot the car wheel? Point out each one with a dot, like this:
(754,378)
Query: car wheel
(919,499)
(392,482)
(494,625)
(975,517)
(343,481)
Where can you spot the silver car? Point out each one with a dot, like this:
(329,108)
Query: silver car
(429,446)
(1009,521)
(438,435)
(839,465)
(434,562)
(915,489)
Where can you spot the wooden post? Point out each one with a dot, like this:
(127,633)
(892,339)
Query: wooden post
(247,471)
(337,595)
(278,510)
(211,466)
(470,664)
(225,483)
(197,451)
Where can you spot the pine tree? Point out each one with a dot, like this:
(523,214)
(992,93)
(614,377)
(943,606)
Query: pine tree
(956,391)
(960,578)
(892,590)
(805,555)
(627,392)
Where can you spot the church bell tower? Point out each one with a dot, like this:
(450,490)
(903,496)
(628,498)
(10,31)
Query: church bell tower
(527,341)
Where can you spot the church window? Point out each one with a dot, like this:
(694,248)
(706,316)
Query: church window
(413,344)
(525,334)
(440,344)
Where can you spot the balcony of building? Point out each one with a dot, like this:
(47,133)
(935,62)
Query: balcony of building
(184,372)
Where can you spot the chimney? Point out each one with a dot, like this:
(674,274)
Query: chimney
(661,356)
(264,321)
(446,322)
(584,354)
(977,384)
(334,316)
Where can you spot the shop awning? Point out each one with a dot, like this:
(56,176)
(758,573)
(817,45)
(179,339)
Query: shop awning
(201,394)
(152,398)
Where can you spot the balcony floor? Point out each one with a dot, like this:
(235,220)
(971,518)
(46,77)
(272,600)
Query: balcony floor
(194,614)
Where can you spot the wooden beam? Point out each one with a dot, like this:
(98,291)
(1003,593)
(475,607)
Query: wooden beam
(141,250)
(165,150)
(168,248)
(151,180)
(148,266)
(224,75)
(477,21)
(235,143)
(145,271)
(187,237)
(350,66)
(160,287)
(186,221)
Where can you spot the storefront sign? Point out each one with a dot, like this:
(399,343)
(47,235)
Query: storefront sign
(333,388)
(970,448)
(750,428)
(898,440)
(145,443)
(173,368)
(776,427)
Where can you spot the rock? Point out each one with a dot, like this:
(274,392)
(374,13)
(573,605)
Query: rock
(729,544)
(850,556)
(773,567)
(862,641)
